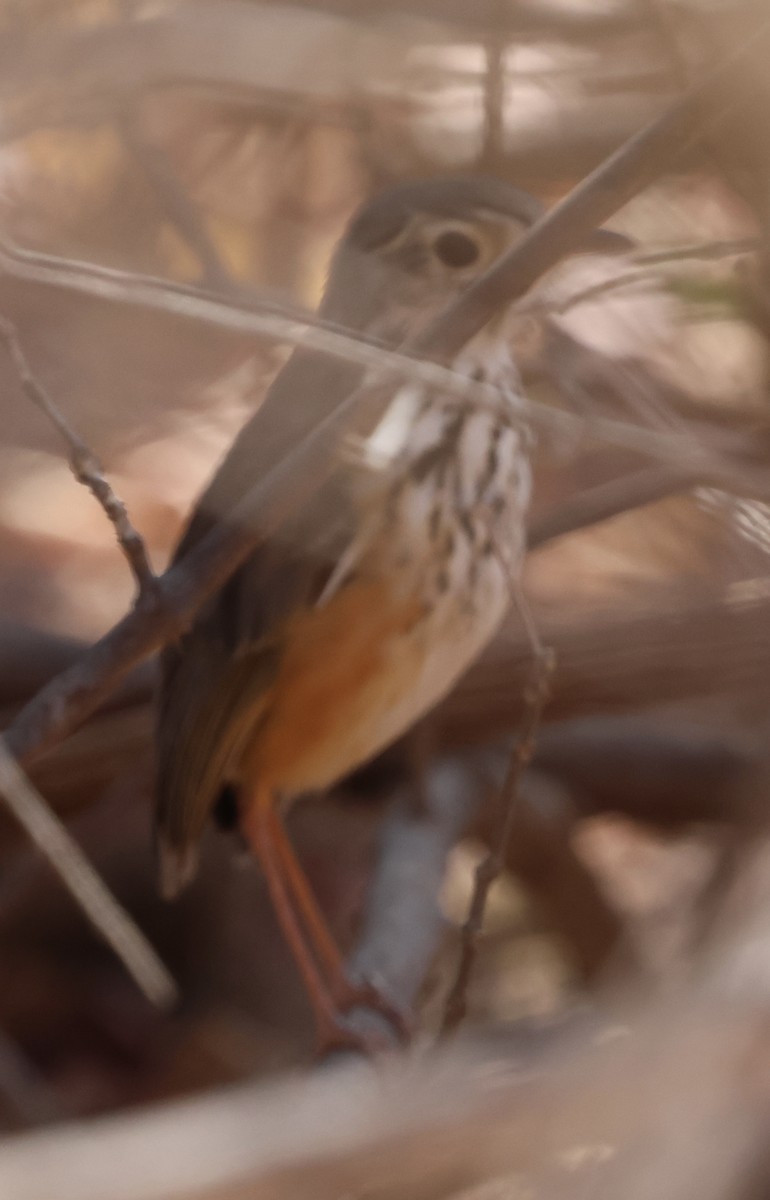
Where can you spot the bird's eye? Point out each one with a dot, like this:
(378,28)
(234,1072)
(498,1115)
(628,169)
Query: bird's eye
(456,249)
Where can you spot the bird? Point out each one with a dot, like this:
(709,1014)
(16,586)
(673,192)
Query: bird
(348,623)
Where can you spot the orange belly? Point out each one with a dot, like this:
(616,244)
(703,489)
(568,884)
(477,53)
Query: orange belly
(337,677)
(391,634)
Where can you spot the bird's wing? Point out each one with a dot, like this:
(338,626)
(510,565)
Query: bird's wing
(216,678)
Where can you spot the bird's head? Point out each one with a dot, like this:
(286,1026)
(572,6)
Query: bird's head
(412,249)
(416,246)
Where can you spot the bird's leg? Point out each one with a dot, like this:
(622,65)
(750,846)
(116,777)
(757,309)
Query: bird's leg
(313,946)
(345,992)
(259,826)
(319,934)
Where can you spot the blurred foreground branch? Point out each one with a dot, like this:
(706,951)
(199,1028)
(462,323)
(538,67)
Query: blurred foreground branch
(257,316)
(93,896)
(670,1098)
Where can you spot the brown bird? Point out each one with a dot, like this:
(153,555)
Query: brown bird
(344,628)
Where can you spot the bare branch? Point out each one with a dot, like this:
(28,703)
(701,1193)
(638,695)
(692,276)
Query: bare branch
(701,251)
(260,316)
(492,866)
(106,915)
(622,282)
(704,251)
(85,466)
(282,323)
(402,922)
(493,141)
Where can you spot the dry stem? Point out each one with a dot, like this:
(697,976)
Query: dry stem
(85,466)
(258,316)
(107,916)
(493,864)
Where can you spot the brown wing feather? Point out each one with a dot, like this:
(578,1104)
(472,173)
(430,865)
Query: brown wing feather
(215,680)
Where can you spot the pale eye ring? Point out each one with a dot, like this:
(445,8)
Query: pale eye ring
(456,249)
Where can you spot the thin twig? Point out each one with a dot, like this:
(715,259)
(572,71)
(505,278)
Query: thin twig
(278,322)
(293,325)
(493,136)
(85,466)
(705,251)
(66,858)
(493,864)
(626,280)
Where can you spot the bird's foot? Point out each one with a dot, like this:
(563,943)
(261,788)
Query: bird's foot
(365,994)
(337,1036)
